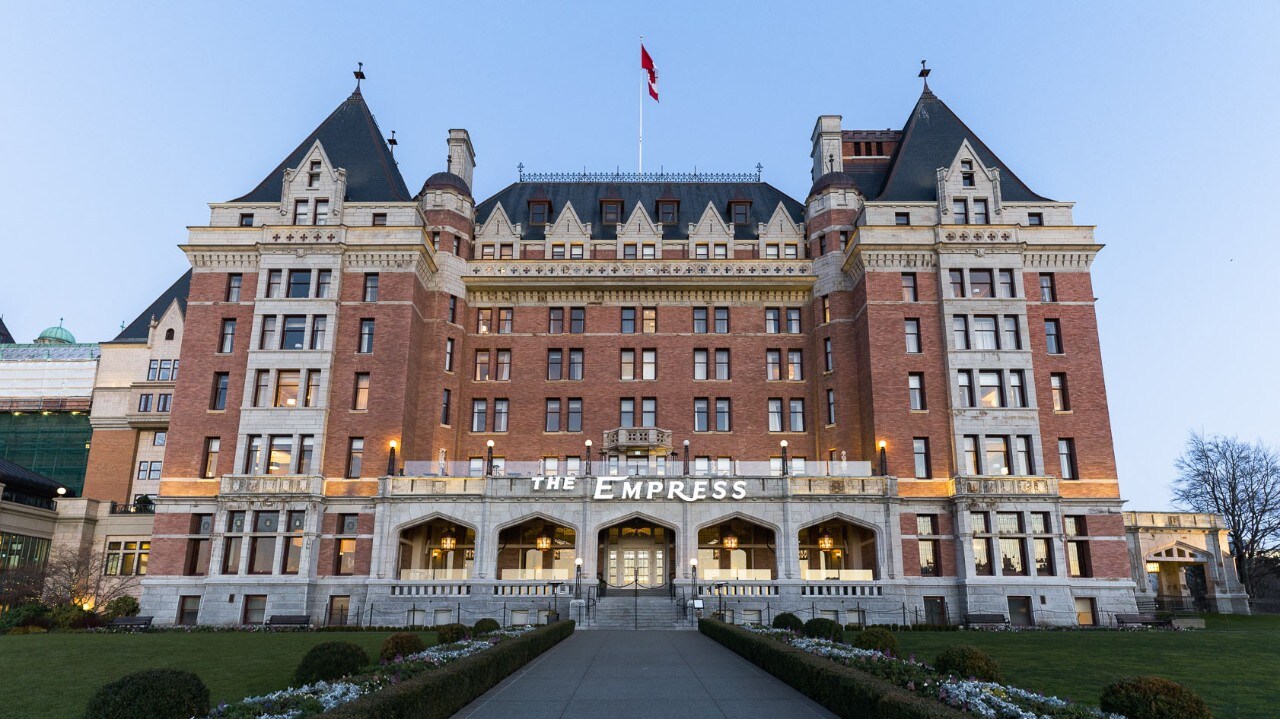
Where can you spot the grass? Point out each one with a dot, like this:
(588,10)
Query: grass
(53,675)
(1232,663)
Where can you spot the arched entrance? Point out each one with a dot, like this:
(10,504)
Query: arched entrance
(636,551)
(737,549)
(537,549)
(436,550)
(838,550)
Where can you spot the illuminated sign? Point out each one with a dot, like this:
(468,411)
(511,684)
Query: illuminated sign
(626,488)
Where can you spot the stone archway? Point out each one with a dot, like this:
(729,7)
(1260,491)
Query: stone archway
(436,549)
(636,551)
(838,549)
(737,548)
(537,548)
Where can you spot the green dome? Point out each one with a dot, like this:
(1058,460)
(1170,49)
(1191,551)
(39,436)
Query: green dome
(56,335)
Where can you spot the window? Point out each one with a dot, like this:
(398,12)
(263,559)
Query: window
(929,564)
(235,281)
(701,252)
(723,414)
(772,320)
(797,415)
(979,212)
(307,454)
(318,325)
(286,388)
(164,401)
(323,280)
(984,333)
(629,251)
(261,385)
(739,212)
(221,381)
(360,395)
(267,335)
(1053,337)
(828,361)
(824,310)
(970,445)
(773,364)
(1067,458)
(831,406)
(555,320)
(1017,388)
(246,219)
(990,391)
(505,320)
(574,419)
(275,283)
(648,412)
(280,455)
(1078,559)
(1008,288)
(144,402)
(720,251)
(313,177)
(312,396)
(538,212)
(301,212)
(960,210)
(1086,611)
(966,173)
(650,320)
(915,390)
(479,415)
(649,364)
(500,415)
(371,287)
(149,470)
(551,418)
(484,321)
(365,345)
(502,370)
(626,412)
(555,364)
(557,251)
(1048,292)
(448,355)
(722,364)
(902,218)
(379,219)
(920,454)
(667,213)
(980,285)
(775,414)
(700,364)
(793,320)
(795,364)
(355,457)
(1012,333)
(212,446)
(445,400)
(700,320)
(1035,219)
(227,339)
(909,291)
(1013,556)
(188,609)
(911,327)
(721,320)
(627,371)
(453,310)
(1026,459)
(1058,385)
(253,454)
(628,320)
(611,212)
(982,557)
(577,320)
(996,450)
(965,396)
(960,331)
(701,414)
(345,558)
(576,363)
(299,284)
(295,331)
(1043,556)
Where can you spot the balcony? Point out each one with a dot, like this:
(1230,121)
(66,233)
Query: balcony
(426,486)
(624,438)
(271,484)
(1005,486)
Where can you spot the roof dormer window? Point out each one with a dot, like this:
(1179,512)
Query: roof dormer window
(966,173)
(740,212)
(667,211)
(538,212)
(313,176)
(611,211)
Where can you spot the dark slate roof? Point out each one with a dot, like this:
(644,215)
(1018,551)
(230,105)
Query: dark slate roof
(140,327)
(354,143)
(446,180)
(692,196)
(930,140)
(833,179)
(20,479)
(6,337)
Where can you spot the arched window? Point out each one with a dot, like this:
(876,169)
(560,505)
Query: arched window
(168,334)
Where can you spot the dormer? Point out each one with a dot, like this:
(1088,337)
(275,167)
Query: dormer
(539,208)
(740,211)
(968,191)
(312,193)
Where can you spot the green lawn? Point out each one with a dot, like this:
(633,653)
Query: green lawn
(1234,663)
(53,675)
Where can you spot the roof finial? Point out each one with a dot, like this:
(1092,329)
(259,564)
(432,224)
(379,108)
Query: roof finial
(831,162)
(392,142)
(759,171)
(520,169)
(924,75)
(359,73)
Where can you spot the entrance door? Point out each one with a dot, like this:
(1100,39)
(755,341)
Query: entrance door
(630,562)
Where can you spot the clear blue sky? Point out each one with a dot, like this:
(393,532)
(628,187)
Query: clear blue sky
(1158,120)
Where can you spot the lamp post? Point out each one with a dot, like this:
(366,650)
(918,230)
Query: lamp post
(488,459)
(577,577)
(884,460)
(785,469)
(693,567)
(587,474)
(686,458)
(391,460)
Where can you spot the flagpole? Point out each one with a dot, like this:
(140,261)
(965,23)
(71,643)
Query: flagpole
(640,148)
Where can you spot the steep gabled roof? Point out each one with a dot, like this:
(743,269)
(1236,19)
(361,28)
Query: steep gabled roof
(140,328)
(20,479)
(6,337)
(932,137)
(353,142)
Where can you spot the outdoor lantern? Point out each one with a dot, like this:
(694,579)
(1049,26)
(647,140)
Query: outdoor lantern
(448,541)
(729,541)
(825,540)
(543,542)
(1153,567)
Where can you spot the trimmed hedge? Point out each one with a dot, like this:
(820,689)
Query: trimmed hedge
(879,640)
(846,691)
(967,662)
(450,633)
(151,694)
(486,625)
(820,628)
(1153,698)
(401,644)
(439,693)
(329,661)
(789,621)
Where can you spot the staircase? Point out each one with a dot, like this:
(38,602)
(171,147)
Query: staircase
(621,609)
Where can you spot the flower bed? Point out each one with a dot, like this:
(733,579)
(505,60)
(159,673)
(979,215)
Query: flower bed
(312,699)
(985,699)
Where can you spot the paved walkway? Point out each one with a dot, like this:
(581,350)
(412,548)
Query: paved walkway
(620,674)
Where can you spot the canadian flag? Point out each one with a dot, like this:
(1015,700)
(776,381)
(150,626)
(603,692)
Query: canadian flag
(646,63)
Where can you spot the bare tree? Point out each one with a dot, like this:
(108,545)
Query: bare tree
(1241,481)
(77,576)
(21,584)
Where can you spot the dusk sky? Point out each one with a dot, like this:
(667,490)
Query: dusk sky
(1157,120)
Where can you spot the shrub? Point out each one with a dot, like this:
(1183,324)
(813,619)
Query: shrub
(151,694)
(1153,698)
(29,629)
(125,606)
(72,616)
(401,644)
(329,661)
(789,621)
(450,633)
(486,625)
(31,614)
(967,662)
(820,628)
(877,639)
(441,692)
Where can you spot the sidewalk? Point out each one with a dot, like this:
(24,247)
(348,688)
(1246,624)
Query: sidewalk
(622,674)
